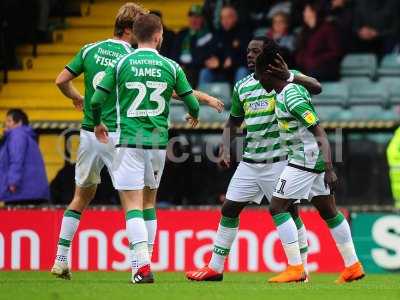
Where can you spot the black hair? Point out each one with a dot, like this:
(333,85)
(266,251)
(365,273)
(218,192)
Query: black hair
(268,55)
(18,115)
(261,38)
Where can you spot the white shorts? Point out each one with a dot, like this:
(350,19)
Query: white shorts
(252,181)
(92,156)
(135,168)
(299,184)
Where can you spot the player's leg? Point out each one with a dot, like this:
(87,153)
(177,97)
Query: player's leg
(152,176)
(150,216)
(293,184)
(87,176)
(226,233)
(242,189)
(339,228)
(128,177)
(293,209)
(268,179)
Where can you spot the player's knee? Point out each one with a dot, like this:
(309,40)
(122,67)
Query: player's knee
(231,209)
(294,211)
(276,208)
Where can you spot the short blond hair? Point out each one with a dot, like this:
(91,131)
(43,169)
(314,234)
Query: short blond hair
(126,17)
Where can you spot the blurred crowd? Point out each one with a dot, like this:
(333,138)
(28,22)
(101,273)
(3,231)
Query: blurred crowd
(314,35)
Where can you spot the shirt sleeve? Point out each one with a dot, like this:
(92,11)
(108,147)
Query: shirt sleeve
(75,66)
(301,108)
(182,85)
(107,84)
(237,107)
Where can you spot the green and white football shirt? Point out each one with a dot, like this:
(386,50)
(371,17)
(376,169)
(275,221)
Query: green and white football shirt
(92,60)
(144,81)
(251,101)
(295,114)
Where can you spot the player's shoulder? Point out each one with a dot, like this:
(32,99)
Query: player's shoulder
(295,90)
(88,47)
(295,94)
(240,84)
(169,63)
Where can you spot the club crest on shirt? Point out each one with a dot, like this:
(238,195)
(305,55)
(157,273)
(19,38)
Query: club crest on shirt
(309,117)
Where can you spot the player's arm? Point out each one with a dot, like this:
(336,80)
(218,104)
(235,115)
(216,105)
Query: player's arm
(281,70)
(305,113)
(185,92)
(100,95)
(206,99)
(320,135)
(231,129)
(64,80)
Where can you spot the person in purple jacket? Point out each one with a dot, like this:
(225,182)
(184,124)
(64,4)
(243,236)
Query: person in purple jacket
(23,177)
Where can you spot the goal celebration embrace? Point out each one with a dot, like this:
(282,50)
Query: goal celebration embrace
(126,104)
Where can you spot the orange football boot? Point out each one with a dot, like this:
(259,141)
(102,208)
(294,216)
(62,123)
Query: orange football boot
(204,274)
(292,274)
(352,273)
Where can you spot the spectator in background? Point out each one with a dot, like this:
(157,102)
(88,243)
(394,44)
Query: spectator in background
(227,55)
(341,13)
(319,48)
(23,177)
(280,33)
(284,6)
(376,23)
(213,8)
(167,45)
(192,43)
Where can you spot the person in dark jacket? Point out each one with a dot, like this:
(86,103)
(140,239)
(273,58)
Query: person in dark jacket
(377,25)
(319,49)
(22,173)
(192,43)
(227,56)
(168,37)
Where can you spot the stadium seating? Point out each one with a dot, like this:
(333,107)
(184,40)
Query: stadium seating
(220,90)
(177,114)
(390,65)
(332,93)
(210,115)
(369,93)
(393,85)
(359,65)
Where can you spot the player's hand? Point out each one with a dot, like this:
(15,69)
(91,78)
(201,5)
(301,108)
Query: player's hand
(215,103)
(101,133)
(330,179)
(12,188)
(78,103)
(225,157)
(279,68)
(193,122)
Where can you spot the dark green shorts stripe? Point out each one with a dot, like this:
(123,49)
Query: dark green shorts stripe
(229,222)
(281,218)
(304,250)
(135,213)
(72,214)
(332,223)
(149,214)
(64,242)
(299,222)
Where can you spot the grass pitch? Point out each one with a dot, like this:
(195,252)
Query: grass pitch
(244,286)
